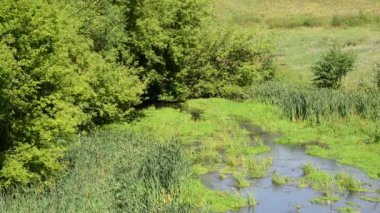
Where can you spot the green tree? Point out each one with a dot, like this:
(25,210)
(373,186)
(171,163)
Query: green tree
(160,34)
(332,67)
(52,83)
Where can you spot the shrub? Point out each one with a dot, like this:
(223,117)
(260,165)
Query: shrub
(227,61)
(332,67)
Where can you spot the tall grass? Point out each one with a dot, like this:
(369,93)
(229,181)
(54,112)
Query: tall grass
(110,171)
(303,103)
(152,184)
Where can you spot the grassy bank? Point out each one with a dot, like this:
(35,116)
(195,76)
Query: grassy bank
(154,163)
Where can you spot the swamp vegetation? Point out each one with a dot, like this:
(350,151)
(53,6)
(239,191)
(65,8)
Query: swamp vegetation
(189,106)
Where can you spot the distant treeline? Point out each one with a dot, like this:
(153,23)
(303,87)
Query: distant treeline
(69,65)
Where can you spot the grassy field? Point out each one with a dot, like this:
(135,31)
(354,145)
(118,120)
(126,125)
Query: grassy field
(303,30)
(107,167)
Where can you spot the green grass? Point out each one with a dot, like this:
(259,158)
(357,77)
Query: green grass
(200,197)
(325,200)
(342,137)
(292,12)
(303,30)
(98,178)
(104,176)
(371,199)
(217,139)
(214,141)
(279,180)
(299,49)
(347,210)
(330,186)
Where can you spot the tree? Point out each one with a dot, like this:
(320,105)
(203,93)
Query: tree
(52,83)
(332,67)
(159,36)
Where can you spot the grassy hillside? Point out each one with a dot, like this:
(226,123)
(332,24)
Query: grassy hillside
(246,12)
(304,30)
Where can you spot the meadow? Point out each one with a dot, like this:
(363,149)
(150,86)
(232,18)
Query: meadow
(303,30)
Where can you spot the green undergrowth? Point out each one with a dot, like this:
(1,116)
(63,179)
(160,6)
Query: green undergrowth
(214,142)
(111,171)
(344,140)
(155,162)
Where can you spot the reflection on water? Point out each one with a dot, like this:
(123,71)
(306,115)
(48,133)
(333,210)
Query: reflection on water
(288,161)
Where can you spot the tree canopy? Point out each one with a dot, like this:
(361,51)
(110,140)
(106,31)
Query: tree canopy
(68,65)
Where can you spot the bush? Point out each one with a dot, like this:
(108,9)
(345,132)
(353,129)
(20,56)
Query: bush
(332,67)
(227,61)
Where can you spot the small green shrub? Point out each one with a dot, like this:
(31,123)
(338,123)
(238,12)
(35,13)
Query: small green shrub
(332,67)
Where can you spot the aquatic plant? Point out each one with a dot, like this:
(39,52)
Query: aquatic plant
(280,180)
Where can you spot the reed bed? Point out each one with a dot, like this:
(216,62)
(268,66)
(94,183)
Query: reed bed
(313,104)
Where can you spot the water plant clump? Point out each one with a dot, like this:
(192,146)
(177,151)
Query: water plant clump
(241,179)
(329,186)
(280,180)
(348,209)
(251,200)
(370,199)
(318,180)
(325,200)
(258,168)
(347,183)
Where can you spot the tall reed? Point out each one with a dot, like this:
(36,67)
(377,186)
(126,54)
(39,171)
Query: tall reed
(308,103)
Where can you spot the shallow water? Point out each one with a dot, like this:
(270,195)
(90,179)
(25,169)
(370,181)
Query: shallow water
(288,161)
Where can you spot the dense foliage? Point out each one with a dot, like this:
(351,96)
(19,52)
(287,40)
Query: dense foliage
(227,62)
(69,65)
(332,67)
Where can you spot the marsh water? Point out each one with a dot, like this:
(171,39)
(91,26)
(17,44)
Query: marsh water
(288,161)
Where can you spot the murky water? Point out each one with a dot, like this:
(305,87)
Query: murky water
(288,161)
